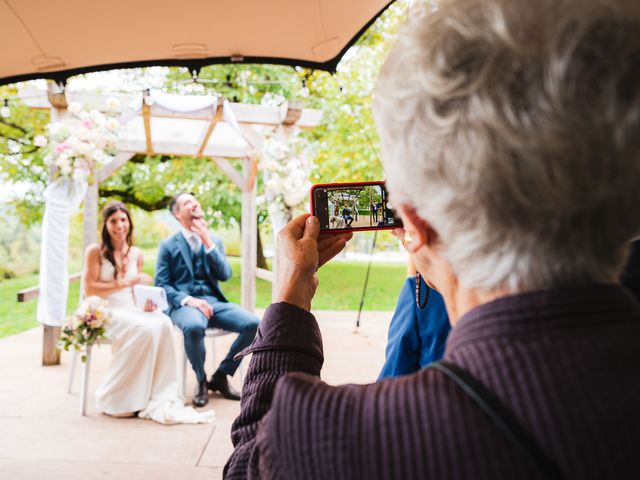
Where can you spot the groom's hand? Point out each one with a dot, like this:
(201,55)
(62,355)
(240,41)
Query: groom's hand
(202,305)
(199,226)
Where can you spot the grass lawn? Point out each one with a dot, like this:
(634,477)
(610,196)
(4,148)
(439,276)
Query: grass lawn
(340,288)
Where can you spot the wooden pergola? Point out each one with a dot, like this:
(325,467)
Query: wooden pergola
(217,132)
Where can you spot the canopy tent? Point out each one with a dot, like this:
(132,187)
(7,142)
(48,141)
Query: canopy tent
(59,39)
(159,123)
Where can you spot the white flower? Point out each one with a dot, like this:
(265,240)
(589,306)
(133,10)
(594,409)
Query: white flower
(100,141)
(40,141)
(75,107)
(112,103)
(73,142)
(97,117)
(83,134)
(83,148)
(273,184)
(98,155)
(62,161)
(272,166)
(294,199)
(84,115)
(66,170)
(113,124)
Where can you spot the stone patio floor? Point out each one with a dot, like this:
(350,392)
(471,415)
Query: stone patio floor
(43,436)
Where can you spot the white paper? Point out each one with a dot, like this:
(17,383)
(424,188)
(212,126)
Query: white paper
(157,295)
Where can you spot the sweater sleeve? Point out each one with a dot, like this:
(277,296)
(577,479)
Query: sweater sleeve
(288,340)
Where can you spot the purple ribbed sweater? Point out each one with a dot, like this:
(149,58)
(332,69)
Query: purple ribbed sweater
(565,361)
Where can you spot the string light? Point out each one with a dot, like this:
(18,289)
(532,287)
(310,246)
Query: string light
(304,91)
(147,97)
(5,111)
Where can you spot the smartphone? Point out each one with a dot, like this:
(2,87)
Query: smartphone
(350,207)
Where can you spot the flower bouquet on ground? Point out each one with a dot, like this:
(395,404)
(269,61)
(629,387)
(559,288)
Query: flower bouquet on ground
(86,326)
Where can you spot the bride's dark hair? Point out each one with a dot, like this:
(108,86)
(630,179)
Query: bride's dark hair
(106,248)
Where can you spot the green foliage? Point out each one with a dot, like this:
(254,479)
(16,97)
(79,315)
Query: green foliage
(19,245)
(21,162)
(16,317)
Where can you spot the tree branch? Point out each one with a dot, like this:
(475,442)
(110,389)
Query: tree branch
(141,158)
(128,196)
(13,125)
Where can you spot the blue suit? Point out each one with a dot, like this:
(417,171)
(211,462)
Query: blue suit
(183,273)
(416,337)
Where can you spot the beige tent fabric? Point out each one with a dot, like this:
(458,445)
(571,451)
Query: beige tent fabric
(67,36)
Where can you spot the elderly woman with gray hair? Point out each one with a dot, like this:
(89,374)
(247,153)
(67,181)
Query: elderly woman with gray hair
(511,141)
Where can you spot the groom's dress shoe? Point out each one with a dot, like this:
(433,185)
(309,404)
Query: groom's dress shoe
(200,394)
(220,383)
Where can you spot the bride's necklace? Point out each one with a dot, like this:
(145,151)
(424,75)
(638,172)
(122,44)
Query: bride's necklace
(123,265)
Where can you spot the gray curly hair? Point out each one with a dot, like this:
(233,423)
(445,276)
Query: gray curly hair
(513,128)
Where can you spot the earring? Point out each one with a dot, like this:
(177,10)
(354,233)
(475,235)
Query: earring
(421,304)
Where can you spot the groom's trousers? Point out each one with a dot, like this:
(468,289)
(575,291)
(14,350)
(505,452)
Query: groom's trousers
(227,316)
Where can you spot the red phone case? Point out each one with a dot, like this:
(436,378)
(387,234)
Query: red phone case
(342,230)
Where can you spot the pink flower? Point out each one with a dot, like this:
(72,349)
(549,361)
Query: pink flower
(87,123)
(61,147)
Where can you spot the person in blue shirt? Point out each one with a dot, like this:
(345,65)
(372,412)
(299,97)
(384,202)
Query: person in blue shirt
(417,336)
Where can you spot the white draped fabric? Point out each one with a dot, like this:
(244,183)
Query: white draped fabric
(183,103)
(62,197)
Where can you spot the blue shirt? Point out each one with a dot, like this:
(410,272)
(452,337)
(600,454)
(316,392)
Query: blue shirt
(416,337)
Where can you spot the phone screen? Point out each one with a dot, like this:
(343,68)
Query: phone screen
(353,207)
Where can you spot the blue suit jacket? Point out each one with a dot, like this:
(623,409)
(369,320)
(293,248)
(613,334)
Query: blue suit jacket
(416,337)
(174,269)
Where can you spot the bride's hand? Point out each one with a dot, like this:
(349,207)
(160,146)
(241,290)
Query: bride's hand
(142,279)
(149,306)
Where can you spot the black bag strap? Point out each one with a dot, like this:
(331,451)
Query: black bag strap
(501,417)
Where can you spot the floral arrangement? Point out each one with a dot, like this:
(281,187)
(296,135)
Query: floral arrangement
(286,174)
(81,141)
(86,326)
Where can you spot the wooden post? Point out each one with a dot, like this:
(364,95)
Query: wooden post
(90,215)
(50,350)
(249,237)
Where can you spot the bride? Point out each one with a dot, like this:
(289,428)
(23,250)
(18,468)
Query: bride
(141,378)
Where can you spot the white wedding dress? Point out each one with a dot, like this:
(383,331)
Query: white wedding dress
(142,375)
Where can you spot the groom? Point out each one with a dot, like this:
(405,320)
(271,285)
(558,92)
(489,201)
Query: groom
(190,264)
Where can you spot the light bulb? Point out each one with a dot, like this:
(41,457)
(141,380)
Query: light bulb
(304,91)
(147,98)
(5,111)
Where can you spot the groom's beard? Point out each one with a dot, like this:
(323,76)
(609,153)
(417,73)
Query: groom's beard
(197,214)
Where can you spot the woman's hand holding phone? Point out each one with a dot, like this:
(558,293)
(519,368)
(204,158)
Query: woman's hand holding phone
(301,251)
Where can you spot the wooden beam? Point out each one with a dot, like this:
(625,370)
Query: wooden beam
(146,116)
(212,125)
(110,168)
(294,111)
(231,172)
(249,229)
(252,137)
(263,274)
(30,293)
